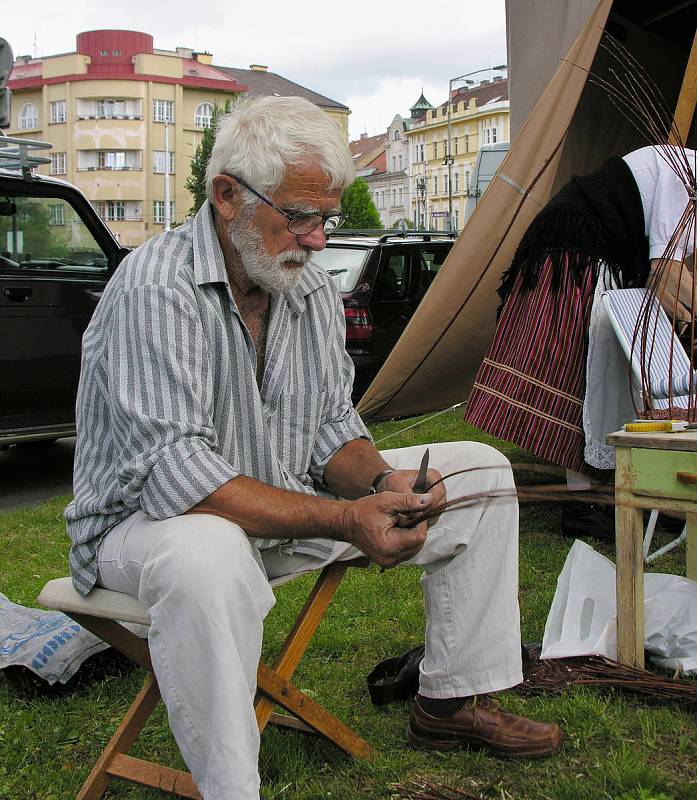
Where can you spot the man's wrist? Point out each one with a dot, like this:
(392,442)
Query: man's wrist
(375,485)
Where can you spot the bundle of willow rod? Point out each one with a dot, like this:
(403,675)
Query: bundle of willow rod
(553,675)
(534,493)
(634,93)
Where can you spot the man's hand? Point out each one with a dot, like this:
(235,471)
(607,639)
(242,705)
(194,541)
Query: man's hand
(402,480)
(375,525)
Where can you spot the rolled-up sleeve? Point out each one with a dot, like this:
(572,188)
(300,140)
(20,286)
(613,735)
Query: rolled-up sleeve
(340,421)
(161,404)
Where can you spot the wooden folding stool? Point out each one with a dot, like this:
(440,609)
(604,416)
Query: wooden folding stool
(101,613)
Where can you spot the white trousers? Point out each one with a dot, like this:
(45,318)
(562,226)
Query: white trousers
(208,594)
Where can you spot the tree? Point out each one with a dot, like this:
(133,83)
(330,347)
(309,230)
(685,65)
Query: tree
(196,182)
(358,208)
(32,220)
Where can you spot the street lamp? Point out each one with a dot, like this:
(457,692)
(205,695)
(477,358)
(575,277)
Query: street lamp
(420,181)
(449,160)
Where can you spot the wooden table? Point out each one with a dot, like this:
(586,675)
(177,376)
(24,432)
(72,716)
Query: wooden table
(653,470)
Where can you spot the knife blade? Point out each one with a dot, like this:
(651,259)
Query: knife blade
(420,482)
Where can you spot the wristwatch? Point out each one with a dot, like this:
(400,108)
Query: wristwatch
(376,482)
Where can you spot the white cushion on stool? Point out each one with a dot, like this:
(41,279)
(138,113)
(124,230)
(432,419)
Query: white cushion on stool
(61,595)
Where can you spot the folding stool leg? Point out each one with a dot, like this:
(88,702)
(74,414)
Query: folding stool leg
(124,736)
(273,683)
(114,761)
(274,688)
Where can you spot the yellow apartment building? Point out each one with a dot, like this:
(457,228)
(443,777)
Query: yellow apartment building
(125,120)
(478,116)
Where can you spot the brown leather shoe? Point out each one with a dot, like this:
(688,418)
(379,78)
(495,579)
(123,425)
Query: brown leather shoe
(481,725)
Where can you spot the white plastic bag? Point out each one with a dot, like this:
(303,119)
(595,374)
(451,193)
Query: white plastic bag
(583,617)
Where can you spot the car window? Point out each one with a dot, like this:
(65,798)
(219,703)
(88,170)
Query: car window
(393,280)
(344,264)
(46,233)
(431,261)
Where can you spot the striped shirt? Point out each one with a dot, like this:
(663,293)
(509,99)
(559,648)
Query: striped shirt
(168,405)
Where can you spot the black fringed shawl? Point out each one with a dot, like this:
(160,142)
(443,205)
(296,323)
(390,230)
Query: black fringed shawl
(593,219)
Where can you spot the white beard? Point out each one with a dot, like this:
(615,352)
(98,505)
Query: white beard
(265,271)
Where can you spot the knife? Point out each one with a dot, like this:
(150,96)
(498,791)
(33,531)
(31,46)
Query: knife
(420,482)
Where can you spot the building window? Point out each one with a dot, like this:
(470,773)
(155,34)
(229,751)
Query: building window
(457,181)
(103,52)
(162,164)
(57,109)
(158,212)
(490,135)
(435,184)
(28,117)
(467,143)
(109,108)
(120,210)
(56,214)
(467,180)
(163,111)
(109,159)
(435,149)
(203,116)
(59,164)
(445,178)
(115,52)
(394,163)
(394,197)
(422,152)
(457,219)
(400,196)
(112,210)
(401,162)
(455,146)
(396,135)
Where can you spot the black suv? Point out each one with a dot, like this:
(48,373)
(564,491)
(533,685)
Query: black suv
(56,256)
(382,280)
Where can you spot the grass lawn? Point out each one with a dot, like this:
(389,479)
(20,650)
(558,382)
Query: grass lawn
(616,747)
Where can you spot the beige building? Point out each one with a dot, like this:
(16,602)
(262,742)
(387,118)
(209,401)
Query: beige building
(478,116)
(125,120)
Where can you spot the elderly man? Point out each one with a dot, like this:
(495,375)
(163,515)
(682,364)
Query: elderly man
(216,436)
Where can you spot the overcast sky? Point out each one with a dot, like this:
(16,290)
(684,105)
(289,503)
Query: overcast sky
(374,57)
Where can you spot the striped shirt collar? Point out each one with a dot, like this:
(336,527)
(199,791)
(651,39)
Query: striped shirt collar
(209,262)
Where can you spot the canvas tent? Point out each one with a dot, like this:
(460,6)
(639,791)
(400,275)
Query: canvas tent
(569,127)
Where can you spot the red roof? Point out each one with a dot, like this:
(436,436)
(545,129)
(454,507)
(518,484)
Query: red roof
(195,69)
(111,55)
(489,92)
(22,71)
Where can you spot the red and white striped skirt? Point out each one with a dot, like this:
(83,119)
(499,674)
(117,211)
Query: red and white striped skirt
(530,387)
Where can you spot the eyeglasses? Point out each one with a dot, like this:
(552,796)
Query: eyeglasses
(299,222)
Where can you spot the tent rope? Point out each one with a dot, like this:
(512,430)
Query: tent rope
(420,422)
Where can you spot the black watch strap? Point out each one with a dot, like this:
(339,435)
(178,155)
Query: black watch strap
(376,482)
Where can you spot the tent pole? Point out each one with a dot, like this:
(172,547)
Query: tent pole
(685,109)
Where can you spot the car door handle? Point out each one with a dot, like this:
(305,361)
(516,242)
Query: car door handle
(17,293)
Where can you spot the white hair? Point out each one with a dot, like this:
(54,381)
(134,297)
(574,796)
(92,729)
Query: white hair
(262,136)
